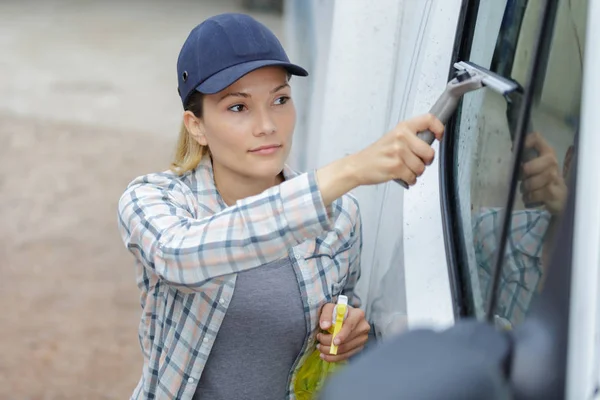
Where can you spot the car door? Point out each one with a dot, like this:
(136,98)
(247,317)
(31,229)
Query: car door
(508,174)
(518,207)
(481,154)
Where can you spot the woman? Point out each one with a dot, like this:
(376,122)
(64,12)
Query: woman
(531,234)
(239,258)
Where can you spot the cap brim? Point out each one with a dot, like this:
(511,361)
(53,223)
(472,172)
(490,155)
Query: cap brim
(228,76)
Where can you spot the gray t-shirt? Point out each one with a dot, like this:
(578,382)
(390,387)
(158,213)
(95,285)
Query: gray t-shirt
(261,335)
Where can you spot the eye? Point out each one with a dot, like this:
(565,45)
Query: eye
(237,108)
(282,100)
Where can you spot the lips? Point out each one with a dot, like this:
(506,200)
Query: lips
(265,150)
(266,147)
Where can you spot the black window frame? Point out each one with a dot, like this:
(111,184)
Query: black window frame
(456,255)
(462,301)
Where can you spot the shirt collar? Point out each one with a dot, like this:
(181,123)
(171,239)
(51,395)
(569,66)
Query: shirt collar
(204,183)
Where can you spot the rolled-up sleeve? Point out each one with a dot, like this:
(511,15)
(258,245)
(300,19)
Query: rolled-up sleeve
(159,224)
(354,269)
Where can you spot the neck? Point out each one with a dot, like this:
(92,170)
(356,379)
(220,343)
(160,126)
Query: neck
(233,187)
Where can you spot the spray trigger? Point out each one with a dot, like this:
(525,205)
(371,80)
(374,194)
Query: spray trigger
(340,312)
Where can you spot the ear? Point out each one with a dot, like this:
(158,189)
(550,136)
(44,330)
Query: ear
(195,127)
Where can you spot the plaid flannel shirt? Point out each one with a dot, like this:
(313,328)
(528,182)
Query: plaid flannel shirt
(188,246)
(522,267)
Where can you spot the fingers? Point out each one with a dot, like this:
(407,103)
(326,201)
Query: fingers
(356,343)
(540,164)
(414,154)
(406,174)
(420,148)
(540,180)
(425,122)
(543,181)
(400,154)
(410,154)
(535,196)
(356,324)
(537,141)
(351,338)
(547,194)
(325,316)
(362,329)
(341,357)
(541,174)
(355,316)
(412,161)
(408,132)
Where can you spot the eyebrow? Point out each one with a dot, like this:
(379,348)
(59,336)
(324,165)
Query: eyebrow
(278,88)
(246,95)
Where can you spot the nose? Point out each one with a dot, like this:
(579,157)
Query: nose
(264,124)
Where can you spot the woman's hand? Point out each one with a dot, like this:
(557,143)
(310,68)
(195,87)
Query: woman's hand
(542,180)
(350,340)
(399,154)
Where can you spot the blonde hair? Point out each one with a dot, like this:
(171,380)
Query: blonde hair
(189,152)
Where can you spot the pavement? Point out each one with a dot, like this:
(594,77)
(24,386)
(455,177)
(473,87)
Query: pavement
(88,101)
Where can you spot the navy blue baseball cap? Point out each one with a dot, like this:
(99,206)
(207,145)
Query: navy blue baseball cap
(222,49)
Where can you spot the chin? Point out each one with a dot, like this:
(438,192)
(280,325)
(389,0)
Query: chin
(267,170)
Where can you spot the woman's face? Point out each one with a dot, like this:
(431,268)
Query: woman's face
(249,125)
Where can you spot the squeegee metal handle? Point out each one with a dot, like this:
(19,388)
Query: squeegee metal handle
(443,109)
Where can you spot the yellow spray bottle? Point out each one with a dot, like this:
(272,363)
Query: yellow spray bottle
(313,373)
(340,311)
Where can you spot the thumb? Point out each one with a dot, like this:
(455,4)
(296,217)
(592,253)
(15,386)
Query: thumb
(325,318)
(536,140)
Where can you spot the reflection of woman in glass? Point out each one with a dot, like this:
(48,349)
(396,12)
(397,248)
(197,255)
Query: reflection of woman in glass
(531,232)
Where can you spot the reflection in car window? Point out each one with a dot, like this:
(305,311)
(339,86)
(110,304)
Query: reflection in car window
(503,42)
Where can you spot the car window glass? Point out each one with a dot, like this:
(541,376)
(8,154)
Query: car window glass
(503,42)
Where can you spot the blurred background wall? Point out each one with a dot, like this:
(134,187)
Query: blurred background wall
(88,101)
